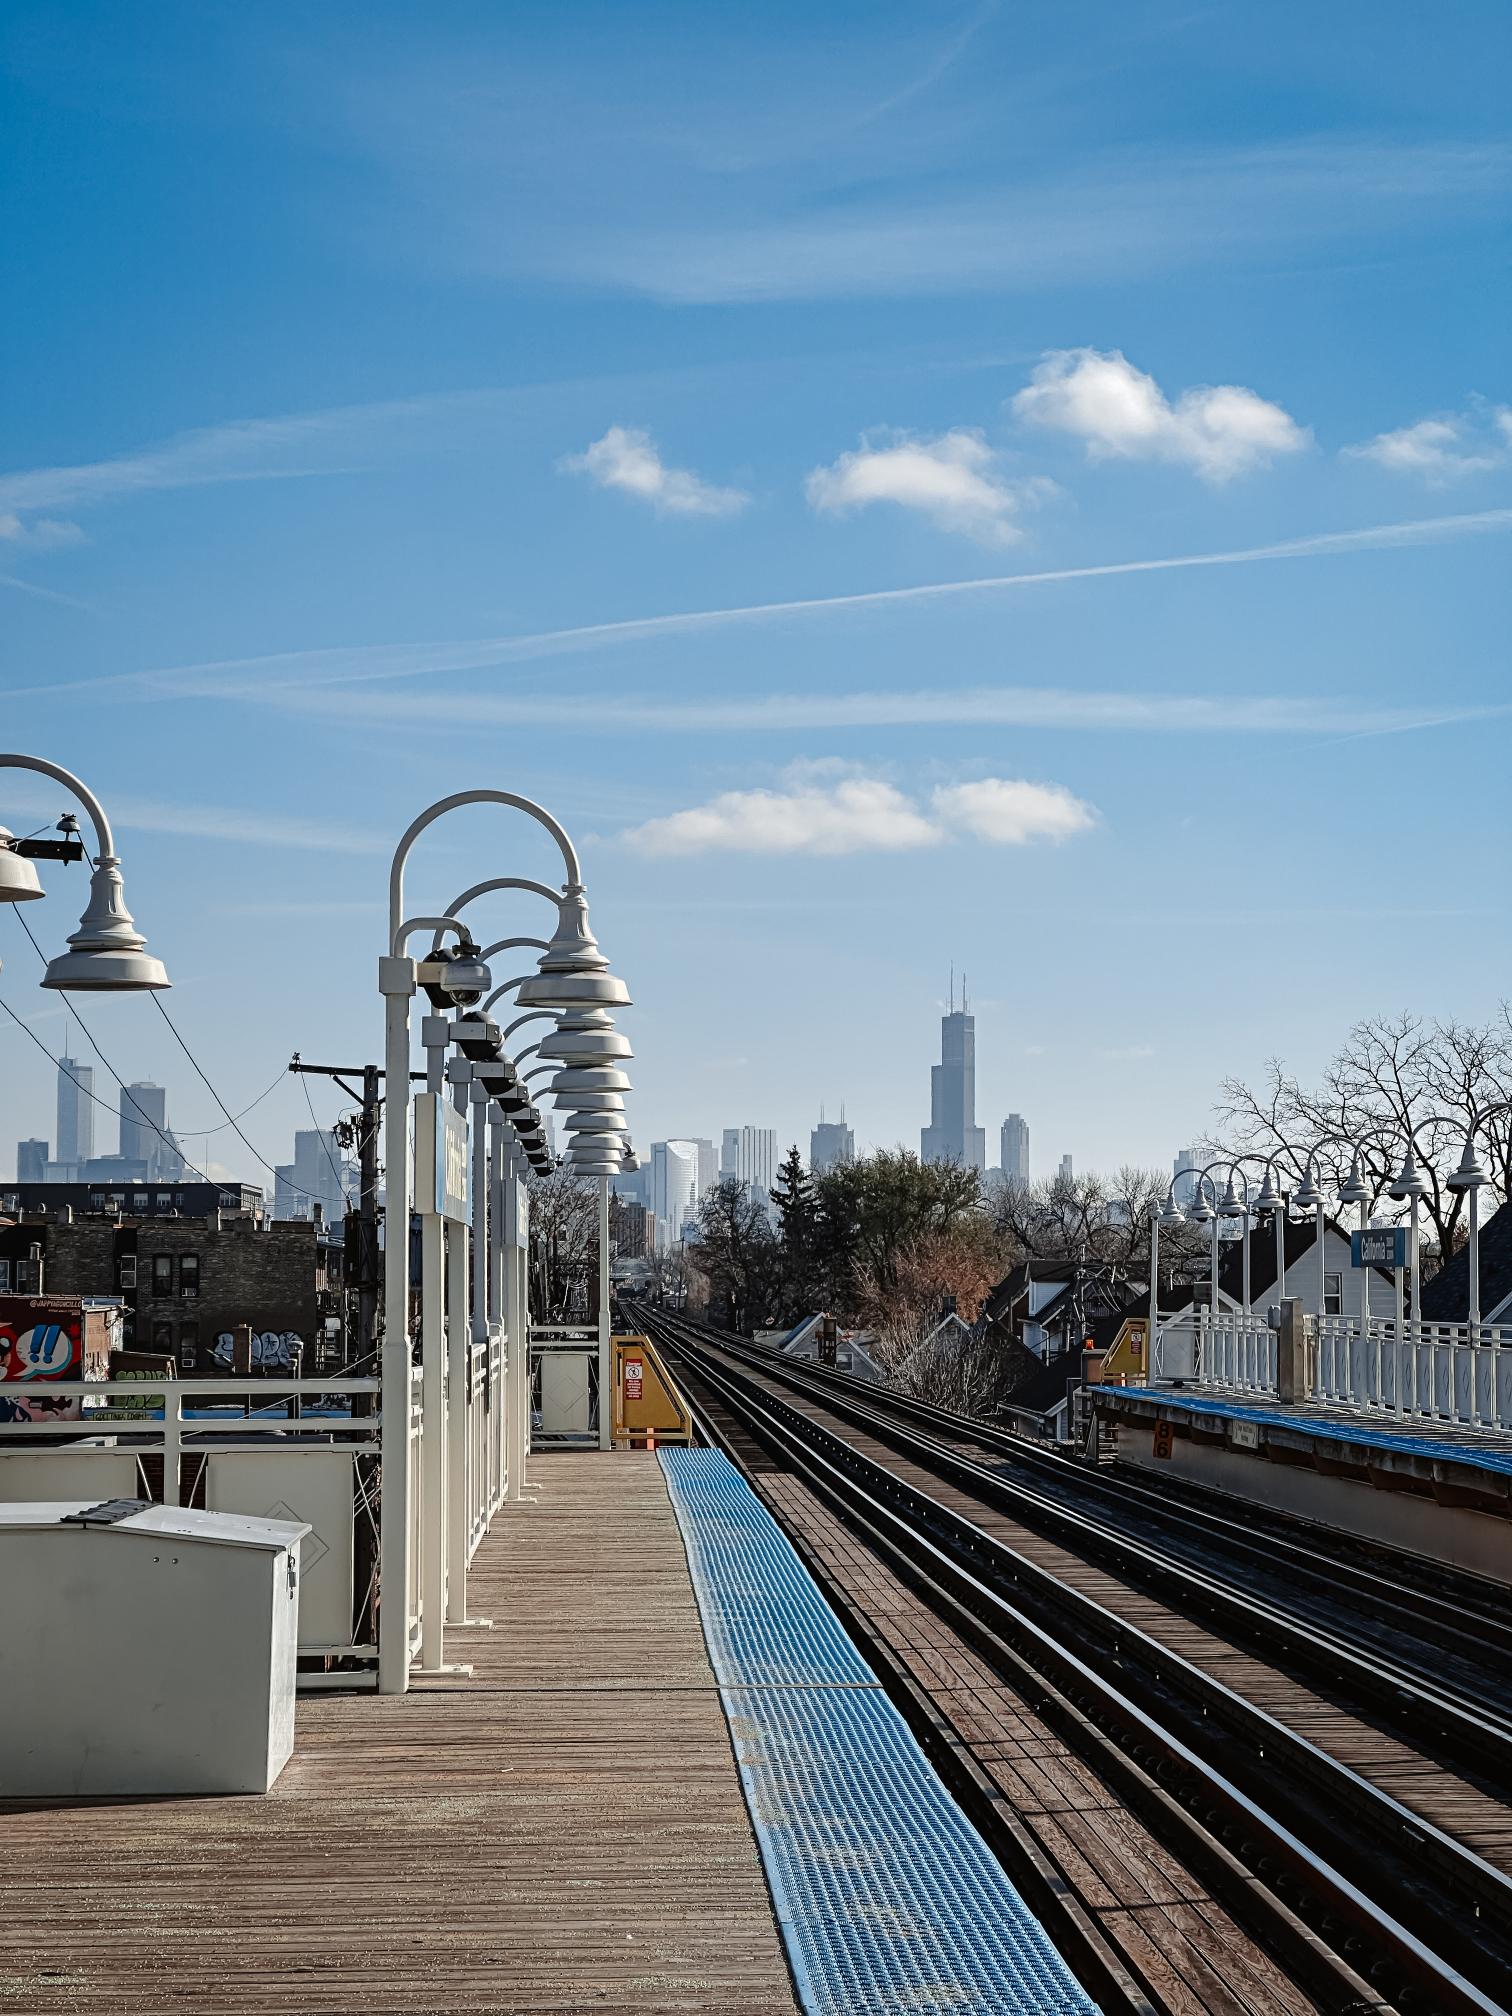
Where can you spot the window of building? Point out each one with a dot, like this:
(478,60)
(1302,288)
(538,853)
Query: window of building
(162,1337)
(162,1273)
(178,1200)
(5,1276)
(188,1345)
(189,1282)
(97,1200)
(140,1201)
(165,1200)
(1333,1294)
(118,1196)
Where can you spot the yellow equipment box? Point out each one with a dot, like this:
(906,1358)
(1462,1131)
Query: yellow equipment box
(647,1406)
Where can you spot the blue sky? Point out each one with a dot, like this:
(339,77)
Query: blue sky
(560,397)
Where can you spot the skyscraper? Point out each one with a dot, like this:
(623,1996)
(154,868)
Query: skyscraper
(830,1144)
(144,1120)
(674,1188)
(708,1167)
(952,1134)
(317,1173)
(1015,1148)
(75,1111)
(749,1154)
(1184,1177)
(1067,1172)
(31,1161)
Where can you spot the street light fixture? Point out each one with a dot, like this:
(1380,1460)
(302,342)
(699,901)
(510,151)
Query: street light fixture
(107,954)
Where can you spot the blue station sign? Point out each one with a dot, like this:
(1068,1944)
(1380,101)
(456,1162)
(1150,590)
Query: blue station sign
(1379,1246)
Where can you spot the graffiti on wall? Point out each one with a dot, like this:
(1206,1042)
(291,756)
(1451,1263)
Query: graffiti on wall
(272,1350)
(40,1339)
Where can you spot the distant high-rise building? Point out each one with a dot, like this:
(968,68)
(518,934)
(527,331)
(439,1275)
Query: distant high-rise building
(674,1187)
(1184,1177)
(75,1111)
(285,1197)
(144,1121)
(318,1176)
(749,1154)
(952,1134)
(31,1161)
(830,1144)
(1015,1148)
(1067,1172)
(144,1132)
(708,1167)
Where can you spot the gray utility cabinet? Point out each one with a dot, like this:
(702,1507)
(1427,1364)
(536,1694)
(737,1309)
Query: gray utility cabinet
(145,1649)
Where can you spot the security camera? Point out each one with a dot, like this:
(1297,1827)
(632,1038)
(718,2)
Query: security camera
(465,979)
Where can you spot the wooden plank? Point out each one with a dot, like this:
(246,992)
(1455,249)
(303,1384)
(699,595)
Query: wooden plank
(566,1831)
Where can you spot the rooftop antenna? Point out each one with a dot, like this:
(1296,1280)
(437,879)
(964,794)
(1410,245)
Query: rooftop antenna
(963,990)
(952,986)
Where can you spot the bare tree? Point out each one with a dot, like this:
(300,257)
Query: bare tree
(1398,1080)
(563,1241)
(1088,1217)
(737,1254)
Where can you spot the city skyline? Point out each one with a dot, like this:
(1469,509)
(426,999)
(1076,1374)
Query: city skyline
(873,517)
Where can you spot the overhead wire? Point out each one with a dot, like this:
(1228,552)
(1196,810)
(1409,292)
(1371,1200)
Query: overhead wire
(231,1120)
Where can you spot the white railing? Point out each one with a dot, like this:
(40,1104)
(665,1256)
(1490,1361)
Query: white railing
(262,1446)
(1236,1351)
(487,1473)
(1459,1374)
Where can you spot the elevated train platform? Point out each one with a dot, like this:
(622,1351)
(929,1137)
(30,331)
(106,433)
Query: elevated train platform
(1441,1490)
(669,1783)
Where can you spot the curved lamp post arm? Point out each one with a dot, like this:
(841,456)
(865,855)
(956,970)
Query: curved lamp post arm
(536,1015)
(404,932)
(81,791)
(506,882)
(509,945)
(510,799)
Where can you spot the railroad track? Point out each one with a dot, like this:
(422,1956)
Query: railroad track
(1366,1903)
(1462,1627)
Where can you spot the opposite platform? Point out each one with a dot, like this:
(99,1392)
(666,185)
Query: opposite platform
(563,1832)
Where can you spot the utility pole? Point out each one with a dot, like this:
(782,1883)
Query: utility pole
(366,1266)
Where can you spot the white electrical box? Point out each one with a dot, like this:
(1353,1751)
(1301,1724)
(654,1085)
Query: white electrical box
(153,1648)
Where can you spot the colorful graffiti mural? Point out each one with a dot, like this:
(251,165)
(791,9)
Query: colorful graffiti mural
(272,1350)
(41,1339)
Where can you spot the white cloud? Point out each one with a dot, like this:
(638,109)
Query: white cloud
(626,458)
(1012,812)
(1443,446)
(40,533)
(952,480)
(1221,431)
(831,807)
(854,815)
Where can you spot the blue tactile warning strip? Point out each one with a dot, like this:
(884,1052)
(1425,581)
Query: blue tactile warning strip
(1482,1453)
(888,1899)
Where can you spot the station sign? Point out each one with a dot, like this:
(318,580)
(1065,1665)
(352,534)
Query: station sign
(443,1170)
(1378,1246)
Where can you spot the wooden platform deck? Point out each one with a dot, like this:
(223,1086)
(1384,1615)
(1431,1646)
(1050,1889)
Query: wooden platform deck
(565,1831)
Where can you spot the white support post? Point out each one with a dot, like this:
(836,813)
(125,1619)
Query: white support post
(396,982)
(517,1308)
(458,1492)
(498,1330)
(173,1444)
(605,1396)
(432,1441)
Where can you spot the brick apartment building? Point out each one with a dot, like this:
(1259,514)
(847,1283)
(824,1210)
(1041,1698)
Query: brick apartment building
(188,1284)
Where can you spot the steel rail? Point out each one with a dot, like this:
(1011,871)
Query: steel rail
(1463,1616)
(1422,1919)
(1468,1730)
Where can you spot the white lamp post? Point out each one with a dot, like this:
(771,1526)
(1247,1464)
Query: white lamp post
(398,977)
(107,953)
